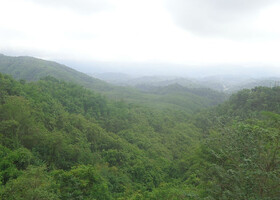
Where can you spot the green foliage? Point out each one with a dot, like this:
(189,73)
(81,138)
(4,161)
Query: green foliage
(243,162)
(173,192)
(242,155)
(64,125)
(248,103)
(59,140)
(34,183)
(82,182)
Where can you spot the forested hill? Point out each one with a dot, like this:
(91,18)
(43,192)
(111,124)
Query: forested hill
(241,146)
(33,69)
(59,140)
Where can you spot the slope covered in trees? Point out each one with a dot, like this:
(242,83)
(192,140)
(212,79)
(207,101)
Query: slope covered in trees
(33,69)
(53,130)
(241,147)
(59,140)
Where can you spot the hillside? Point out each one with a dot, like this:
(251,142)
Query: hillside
(59,140)
(241,147)
(71,138)
(32,69)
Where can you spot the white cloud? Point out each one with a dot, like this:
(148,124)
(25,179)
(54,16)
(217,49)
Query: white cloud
(81,6)
(139,31)
(233,19)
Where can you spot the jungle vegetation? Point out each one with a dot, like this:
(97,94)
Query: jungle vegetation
(61,140)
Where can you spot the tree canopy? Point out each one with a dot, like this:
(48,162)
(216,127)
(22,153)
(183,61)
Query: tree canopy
(59,140)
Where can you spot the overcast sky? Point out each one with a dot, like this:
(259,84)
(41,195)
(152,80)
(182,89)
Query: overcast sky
(185,32)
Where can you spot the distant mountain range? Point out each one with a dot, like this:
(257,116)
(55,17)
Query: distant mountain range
(163,94)
(224,83)
(127,80)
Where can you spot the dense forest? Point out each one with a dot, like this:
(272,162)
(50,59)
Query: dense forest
(59,140)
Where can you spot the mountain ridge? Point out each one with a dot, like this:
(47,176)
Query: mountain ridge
(32,69)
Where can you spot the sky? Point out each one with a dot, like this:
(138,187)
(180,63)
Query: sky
(180,33)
